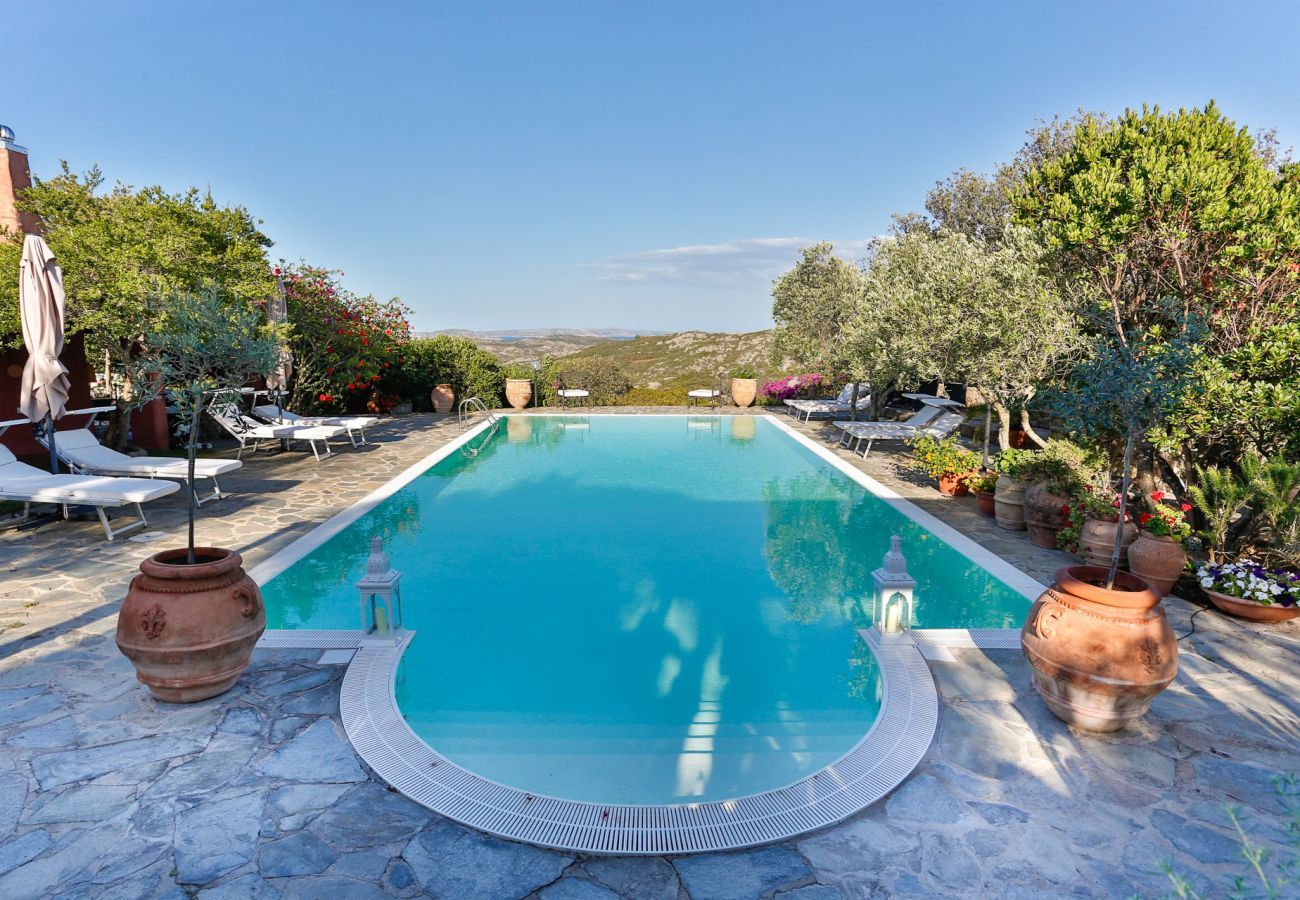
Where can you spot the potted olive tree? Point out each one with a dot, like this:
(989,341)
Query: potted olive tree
(191,617)
(1098,642)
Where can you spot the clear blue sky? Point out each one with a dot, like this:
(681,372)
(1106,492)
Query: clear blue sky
(524,164)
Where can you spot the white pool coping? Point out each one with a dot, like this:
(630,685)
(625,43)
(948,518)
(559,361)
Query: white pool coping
(887,754)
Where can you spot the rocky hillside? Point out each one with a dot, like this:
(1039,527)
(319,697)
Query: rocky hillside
(528,344)
(671,359)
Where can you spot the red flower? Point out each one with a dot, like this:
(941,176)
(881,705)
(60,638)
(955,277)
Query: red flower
(1185,507)
(1144,518)
(326,398)
(329,371)
(1065,510)
(1157,496)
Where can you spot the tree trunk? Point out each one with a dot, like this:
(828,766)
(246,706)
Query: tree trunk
(1004,426)
(988,434)
(853,402)
(1029,429)
(1126,480)
(189,504)
(119,426)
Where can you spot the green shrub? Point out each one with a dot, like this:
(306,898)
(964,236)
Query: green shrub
(1063,466)
(603,378)
(1008,462)
(744,372)
(426,362)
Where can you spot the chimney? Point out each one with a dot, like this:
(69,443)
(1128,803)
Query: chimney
(15,176)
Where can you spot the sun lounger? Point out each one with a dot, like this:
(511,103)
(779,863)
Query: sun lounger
(824,407)
(709,394)
(28,484)
(82,452)
(252,433)
(940,418)
(569,395)
(356,425)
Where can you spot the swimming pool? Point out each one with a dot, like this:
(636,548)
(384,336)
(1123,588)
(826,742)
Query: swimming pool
(638,609)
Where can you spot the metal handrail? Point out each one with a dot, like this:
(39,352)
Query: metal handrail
(465,410)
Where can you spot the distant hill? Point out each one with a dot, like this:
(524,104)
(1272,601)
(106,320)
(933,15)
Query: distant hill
(670,360)
(528,344)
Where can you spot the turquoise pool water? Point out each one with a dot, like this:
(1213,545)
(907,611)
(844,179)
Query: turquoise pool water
(649,609)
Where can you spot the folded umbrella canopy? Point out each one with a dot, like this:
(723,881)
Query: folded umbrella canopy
(43,394)
(277,312)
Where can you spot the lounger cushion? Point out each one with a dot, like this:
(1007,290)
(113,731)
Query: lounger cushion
(703,392)
(19,481)
(82,449)
(292,418)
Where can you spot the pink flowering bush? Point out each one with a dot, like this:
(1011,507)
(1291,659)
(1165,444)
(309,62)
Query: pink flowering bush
(792,386)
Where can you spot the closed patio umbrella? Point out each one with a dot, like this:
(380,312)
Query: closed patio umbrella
(277,311)
(43,394)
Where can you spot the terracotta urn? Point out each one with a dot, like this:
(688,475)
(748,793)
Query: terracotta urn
(953,484)
(1097,542)
(743,391)
(1158,560)
(190,629)
(442,397)
(519,429)
(1255,612)
(1009,504)
(519,392)
(1044,515)
(1099,656)
(742,428)
(986,502)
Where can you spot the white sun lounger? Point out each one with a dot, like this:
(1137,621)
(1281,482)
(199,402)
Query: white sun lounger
(940,419)
(252,433)
(355,425)
(82,452)
(19,481)
(710,394)
(841,404)
(572,394)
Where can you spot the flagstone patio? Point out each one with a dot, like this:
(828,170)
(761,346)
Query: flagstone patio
(257,793)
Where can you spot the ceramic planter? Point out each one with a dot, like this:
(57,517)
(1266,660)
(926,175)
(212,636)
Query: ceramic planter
(1043,515)
(190,629)
(1255,612)
(519,392)
(1099,656)
(1097,542)
(953,484)
(442,397)
(986,502)
(743,391)
(1009,504)
(1158,560)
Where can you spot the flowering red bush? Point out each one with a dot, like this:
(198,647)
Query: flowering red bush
(343,344)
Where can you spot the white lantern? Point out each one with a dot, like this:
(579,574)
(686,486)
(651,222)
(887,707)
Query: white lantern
(381,595)
(891,604)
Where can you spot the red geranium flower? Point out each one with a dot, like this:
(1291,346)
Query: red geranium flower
(1185,507)
(1144,518)
(1157,496)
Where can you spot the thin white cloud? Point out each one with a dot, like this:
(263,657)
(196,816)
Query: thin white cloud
(729,263)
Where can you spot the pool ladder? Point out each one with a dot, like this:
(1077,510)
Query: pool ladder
(470,408)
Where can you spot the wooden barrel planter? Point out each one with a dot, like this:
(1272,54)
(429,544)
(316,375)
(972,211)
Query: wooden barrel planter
(1009,504)
(1044,515)
(1097,542)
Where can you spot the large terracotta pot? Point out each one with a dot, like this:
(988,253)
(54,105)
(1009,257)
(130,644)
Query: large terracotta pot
(1009,504)
(442,397)
(1099,656)
(1044,515)
(742,428)
(519,429)
(1255,612)
(953,484)
(190,629)
(1158,560)
(519,392)
(743,391)
(1097,542)
(986,502)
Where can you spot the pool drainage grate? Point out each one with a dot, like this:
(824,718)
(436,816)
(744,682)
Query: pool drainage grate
(876,765)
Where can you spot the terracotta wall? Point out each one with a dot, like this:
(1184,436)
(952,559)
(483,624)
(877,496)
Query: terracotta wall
(148,426)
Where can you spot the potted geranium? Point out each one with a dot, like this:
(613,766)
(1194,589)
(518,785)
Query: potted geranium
(1051,477)
(191,617)
(944,460)
(744,386)
(983,485)
(1250,591)
(1157,556)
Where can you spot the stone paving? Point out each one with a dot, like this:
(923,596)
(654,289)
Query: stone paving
(257,793)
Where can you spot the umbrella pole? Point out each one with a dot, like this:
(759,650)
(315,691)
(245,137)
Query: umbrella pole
(49,436)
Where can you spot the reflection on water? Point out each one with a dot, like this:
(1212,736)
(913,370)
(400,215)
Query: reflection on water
(638,610)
